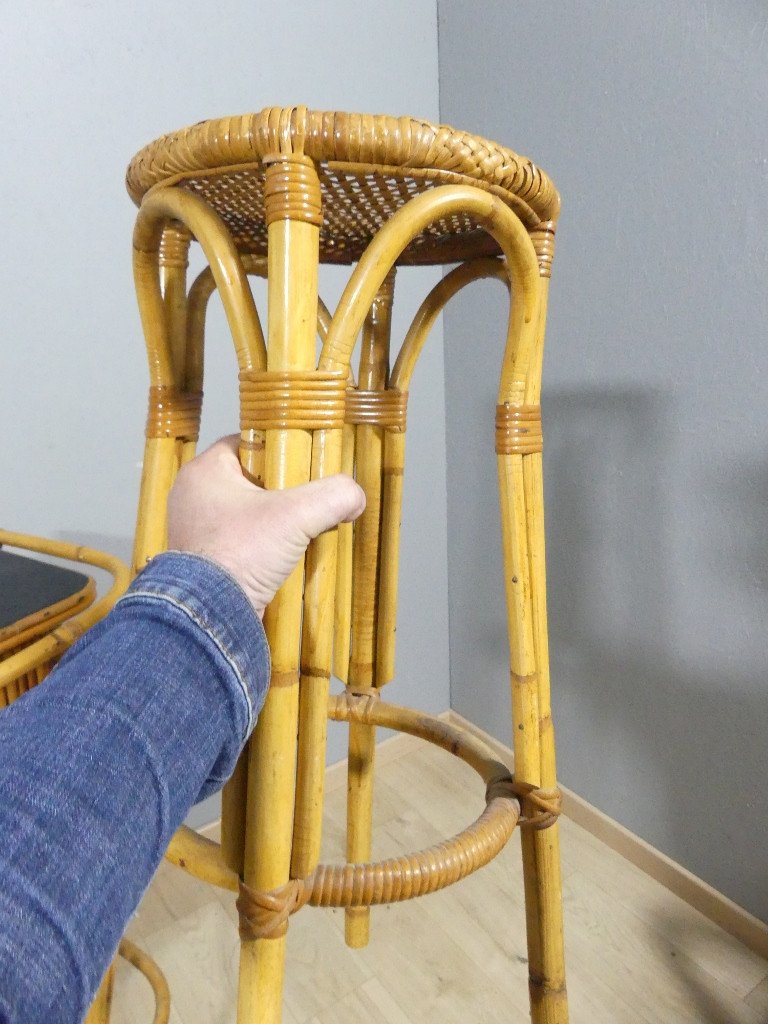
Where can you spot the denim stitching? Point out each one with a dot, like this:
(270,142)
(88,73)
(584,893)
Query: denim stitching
(186,610)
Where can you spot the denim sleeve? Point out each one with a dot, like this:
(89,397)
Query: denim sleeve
(100,765)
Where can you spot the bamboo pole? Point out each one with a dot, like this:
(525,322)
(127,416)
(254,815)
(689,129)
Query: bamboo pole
(394,450)
(234,793)
(342,614)
(369,449)
(292,296)
(161,457)
(521,488)
(316,656)
(173,261)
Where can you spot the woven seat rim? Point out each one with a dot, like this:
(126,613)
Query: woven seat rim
(374,140)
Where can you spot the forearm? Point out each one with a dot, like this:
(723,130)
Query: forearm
(100,765)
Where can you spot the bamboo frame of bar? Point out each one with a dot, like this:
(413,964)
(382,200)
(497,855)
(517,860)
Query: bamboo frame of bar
(292,301)
(283,792)
(362,672)
(234,793)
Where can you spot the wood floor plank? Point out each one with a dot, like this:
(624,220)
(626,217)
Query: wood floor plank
(723,956)
(653,975)
(757,999)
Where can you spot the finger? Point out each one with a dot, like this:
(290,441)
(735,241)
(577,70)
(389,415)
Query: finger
(225,445)
(322,504)
(223,457)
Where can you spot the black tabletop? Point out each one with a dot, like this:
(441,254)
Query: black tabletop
(28,586)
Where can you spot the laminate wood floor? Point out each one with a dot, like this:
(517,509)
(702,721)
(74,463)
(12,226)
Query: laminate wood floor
(636,954)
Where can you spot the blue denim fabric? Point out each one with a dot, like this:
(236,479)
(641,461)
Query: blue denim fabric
(100,765)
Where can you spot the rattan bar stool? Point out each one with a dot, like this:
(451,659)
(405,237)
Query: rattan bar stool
(276,193)
(44,609)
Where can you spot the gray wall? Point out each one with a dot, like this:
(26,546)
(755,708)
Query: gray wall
(84,86)
(651,120)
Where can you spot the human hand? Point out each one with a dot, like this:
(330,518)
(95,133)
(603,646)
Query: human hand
(256,535)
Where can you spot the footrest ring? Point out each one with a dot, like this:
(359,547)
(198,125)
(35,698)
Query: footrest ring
(154,976)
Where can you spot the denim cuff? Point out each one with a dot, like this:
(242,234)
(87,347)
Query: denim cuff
(210,598)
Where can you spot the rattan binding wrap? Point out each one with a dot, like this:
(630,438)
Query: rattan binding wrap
(518,429)
(369,165)
(292,399)
(291,190)
(543,238)
(377,408)
(174,413)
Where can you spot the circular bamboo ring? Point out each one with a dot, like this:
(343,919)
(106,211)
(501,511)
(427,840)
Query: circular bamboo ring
(147,966)
(416,874)
(265,914)
(394,879)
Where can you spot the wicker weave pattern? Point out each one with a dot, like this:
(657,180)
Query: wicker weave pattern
(369,166)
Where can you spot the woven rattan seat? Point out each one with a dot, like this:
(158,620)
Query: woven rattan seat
(275,194)
(368,165)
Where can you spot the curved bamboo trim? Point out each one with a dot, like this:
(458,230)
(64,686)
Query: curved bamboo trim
(431,308)
(204,286)
(226,267)
(144,963)
(398,878)
(394,446)
(265,914)
(409,221)
(63,636)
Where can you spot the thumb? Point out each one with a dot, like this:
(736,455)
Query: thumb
(322,504)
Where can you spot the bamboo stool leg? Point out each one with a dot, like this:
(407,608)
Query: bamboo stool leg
(521,484)
(293,216)
(362,674)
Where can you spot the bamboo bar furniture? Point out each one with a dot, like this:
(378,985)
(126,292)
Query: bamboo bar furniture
(44,609)
(276,194)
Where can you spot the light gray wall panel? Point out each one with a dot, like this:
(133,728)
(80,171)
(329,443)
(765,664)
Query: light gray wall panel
(651,120)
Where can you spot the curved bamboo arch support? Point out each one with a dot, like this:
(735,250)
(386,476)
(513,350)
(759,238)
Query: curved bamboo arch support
(431,308)
(394,448)
(205,285)
(162,457)
(226,268)
(409,221)
(336,885)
